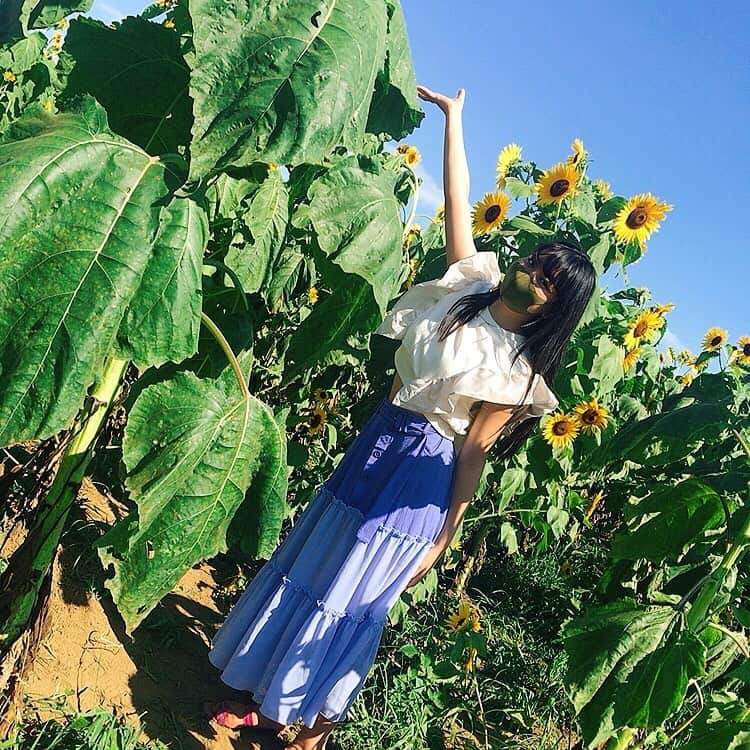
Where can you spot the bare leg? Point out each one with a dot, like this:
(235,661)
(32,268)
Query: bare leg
(315,738)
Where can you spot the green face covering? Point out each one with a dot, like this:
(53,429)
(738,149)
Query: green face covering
(517,289)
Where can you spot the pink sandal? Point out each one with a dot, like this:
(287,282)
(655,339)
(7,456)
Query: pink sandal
(250,719)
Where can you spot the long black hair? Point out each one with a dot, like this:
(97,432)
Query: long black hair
(545,336)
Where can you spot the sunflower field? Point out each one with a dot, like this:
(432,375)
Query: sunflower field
(199,232)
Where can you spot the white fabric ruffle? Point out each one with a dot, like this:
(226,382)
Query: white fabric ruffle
(444,379)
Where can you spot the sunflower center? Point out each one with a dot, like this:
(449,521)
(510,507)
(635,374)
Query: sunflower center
(560,428)
(716,340)
(746,349)
(637,217)
(559,187)
(589,416)
(316,420)
(492,212)
(640,329)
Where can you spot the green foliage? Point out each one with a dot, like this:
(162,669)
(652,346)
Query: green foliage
(229,169)
(18,17)
(99,729)
(188,476)
(136,70)
(76,272)
(35,77)
(320,65)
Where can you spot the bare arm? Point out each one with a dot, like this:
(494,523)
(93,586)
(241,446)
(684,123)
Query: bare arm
(459,241)
(484,432)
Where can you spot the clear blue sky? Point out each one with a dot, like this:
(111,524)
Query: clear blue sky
(658,92)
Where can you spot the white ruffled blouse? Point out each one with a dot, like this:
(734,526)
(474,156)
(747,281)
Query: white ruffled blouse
(447,380)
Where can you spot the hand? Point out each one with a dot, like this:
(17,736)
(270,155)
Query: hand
(426,563)
(446,103)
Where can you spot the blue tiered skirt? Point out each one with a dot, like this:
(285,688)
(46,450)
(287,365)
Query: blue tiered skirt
(304,634)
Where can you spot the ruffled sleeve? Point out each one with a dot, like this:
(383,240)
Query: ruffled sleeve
(465,275)
(449,382)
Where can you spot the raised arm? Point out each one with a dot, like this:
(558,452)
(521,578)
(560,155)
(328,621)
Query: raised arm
(459,241)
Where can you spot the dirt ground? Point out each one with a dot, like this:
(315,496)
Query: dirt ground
(161,673)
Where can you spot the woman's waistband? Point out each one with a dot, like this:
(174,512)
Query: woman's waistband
(398,416)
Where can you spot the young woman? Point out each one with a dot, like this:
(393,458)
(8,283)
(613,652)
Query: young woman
(478,351)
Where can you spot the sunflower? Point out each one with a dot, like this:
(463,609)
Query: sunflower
(560,429)
(714,338)
(686,379)
(312,294)
(410,153)
(644,328)
(466,617)
(591,416)
(639,218)
(685,356)
(742,353)
(318,421)
(411,234)
(579,153)
(440,214)
(48,105)
(169,24)
(509,155)
(605,191)
(557,183)
(9,76)
(321,395)
(489,213)
(631,357)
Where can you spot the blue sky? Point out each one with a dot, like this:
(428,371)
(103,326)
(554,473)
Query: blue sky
(658,92)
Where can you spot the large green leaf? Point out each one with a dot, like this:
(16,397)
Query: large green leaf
(608,648)
(607,364)
(82,212)
(162,321)
(662,438)
(337,331)
(280,81)
(519,221)
(193,450)
(266,218)
(136,70)
(657,687)
(395,108)
(355,214)
(681,513)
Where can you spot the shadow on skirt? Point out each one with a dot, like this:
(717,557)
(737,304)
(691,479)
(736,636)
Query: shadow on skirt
(305,633)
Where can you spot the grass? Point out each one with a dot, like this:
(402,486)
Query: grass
(99,729)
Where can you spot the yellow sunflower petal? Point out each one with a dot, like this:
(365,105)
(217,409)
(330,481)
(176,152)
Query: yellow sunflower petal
(639,218)
(509,155)
(560,429)
(714,339)
(489,213)
(557,183)
(579,153)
